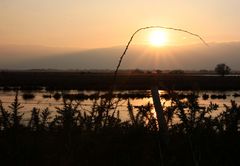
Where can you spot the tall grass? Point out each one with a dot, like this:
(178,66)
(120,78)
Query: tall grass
(73,135)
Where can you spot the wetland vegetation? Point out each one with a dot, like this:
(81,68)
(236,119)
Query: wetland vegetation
(98,136)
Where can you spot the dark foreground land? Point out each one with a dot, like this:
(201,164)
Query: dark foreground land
(102,81)
(98,137)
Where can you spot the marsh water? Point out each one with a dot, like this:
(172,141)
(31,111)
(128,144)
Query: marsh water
(42,99)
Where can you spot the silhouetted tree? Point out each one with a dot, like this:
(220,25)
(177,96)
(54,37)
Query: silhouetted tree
(222,69)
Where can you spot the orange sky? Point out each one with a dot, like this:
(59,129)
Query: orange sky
(95,23)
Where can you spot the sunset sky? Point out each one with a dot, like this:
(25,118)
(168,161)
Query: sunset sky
(105,23)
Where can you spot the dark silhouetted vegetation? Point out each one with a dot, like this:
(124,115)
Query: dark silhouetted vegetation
(52,81)
(71,135)
(176,72)
(222,69)
(28,96)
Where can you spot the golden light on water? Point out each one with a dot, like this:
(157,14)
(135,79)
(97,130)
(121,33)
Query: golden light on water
(157,38)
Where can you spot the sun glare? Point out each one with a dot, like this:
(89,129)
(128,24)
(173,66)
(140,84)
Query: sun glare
(157,38)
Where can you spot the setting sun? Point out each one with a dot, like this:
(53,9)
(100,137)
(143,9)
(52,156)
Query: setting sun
(157,38)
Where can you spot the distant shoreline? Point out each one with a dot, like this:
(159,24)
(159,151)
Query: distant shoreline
(31,80)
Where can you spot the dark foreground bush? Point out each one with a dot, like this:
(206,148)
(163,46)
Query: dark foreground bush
(99,137)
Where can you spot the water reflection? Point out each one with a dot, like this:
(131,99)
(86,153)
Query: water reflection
(43,99)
